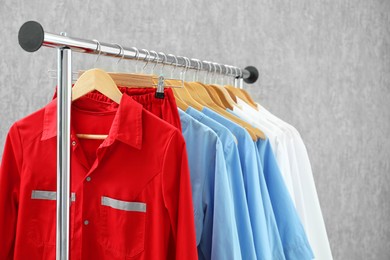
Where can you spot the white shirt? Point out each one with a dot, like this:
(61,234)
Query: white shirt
(311,214)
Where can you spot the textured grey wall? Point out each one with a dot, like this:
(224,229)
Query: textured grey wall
(325,65)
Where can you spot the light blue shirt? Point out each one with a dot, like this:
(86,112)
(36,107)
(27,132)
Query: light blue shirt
(216,227)
(291,231)
(236,182)
(273,232)
(290,228)
(250,170)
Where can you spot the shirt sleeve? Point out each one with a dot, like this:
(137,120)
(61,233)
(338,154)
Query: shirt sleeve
(219,237)
(292,233)
(9,192)
(178,201)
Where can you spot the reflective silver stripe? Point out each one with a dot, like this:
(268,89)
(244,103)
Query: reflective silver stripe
(48,195)
(123,205)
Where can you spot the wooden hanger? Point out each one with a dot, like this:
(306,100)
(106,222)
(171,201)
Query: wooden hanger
(96,79)
(141,80)
(201,95)
(224,96)
(249,98)
(199,92)
(238,92)
(214,95)
(222,92)
(246,97)
(183,95)
(180,104)
(232,95)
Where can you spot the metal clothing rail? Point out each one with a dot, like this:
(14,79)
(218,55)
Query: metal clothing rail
(31,38)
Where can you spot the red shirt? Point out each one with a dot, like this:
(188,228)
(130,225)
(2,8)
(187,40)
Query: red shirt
(131,192)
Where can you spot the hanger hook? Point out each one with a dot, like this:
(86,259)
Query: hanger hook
(176,64)
(235,71)
(156,59)
(146,59)
(136,56)
(121,51)
(183,72)
(163,61)
(220,72)
(198,68)
(195,68)
(229,72)
(188,63)
(98,48)
(208,71)
(214,72)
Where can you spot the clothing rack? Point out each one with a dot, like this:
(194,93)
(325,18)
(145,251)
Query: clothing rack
(32,37)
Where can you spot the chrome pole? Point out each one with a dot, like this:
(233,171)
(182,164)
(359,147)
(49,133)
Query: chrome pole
(32,37)
(63,151)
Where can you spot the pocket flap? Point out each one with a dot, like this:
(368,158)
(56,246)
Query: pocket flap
(123,205)
(48,195)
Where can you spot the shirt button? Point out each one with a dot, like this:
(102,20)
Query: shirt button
(86,222)
(74,143)
(88,178)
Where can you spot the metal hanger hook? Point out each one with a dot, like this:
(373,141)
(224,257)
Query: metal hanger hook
(235,72)
(227,67)
(183,72)
(220,72)
(188,63)
(136,56)
(163,61)
(229,70)
(121,51)
(198,68)
(146,59)
(155,59)
(176,63)
(214,72)
(98,48)
(208,71)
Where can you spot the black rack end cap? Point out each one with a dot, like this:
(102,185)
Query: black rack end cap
(253,76)
(31,36)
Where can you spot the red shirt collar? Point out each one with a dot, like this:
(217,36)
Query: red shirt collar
(126,126)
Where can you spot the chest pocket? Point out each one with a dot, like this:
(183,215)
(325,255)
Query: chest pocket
(123,226)
(43,217)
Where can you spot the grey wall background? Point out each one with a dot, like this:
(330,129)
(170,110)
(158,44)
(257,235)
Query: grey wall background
(325,69)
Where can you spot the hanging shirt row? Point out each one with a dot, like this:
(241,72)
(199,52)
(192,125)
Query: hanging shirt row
(196,172)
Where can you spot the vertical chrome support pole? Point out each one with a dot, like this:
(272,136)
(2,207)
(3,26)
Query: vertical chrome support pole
(64,77)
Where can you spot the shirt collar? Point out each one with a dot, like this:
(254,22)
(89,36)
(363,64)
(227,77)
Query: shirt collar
(126,126)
